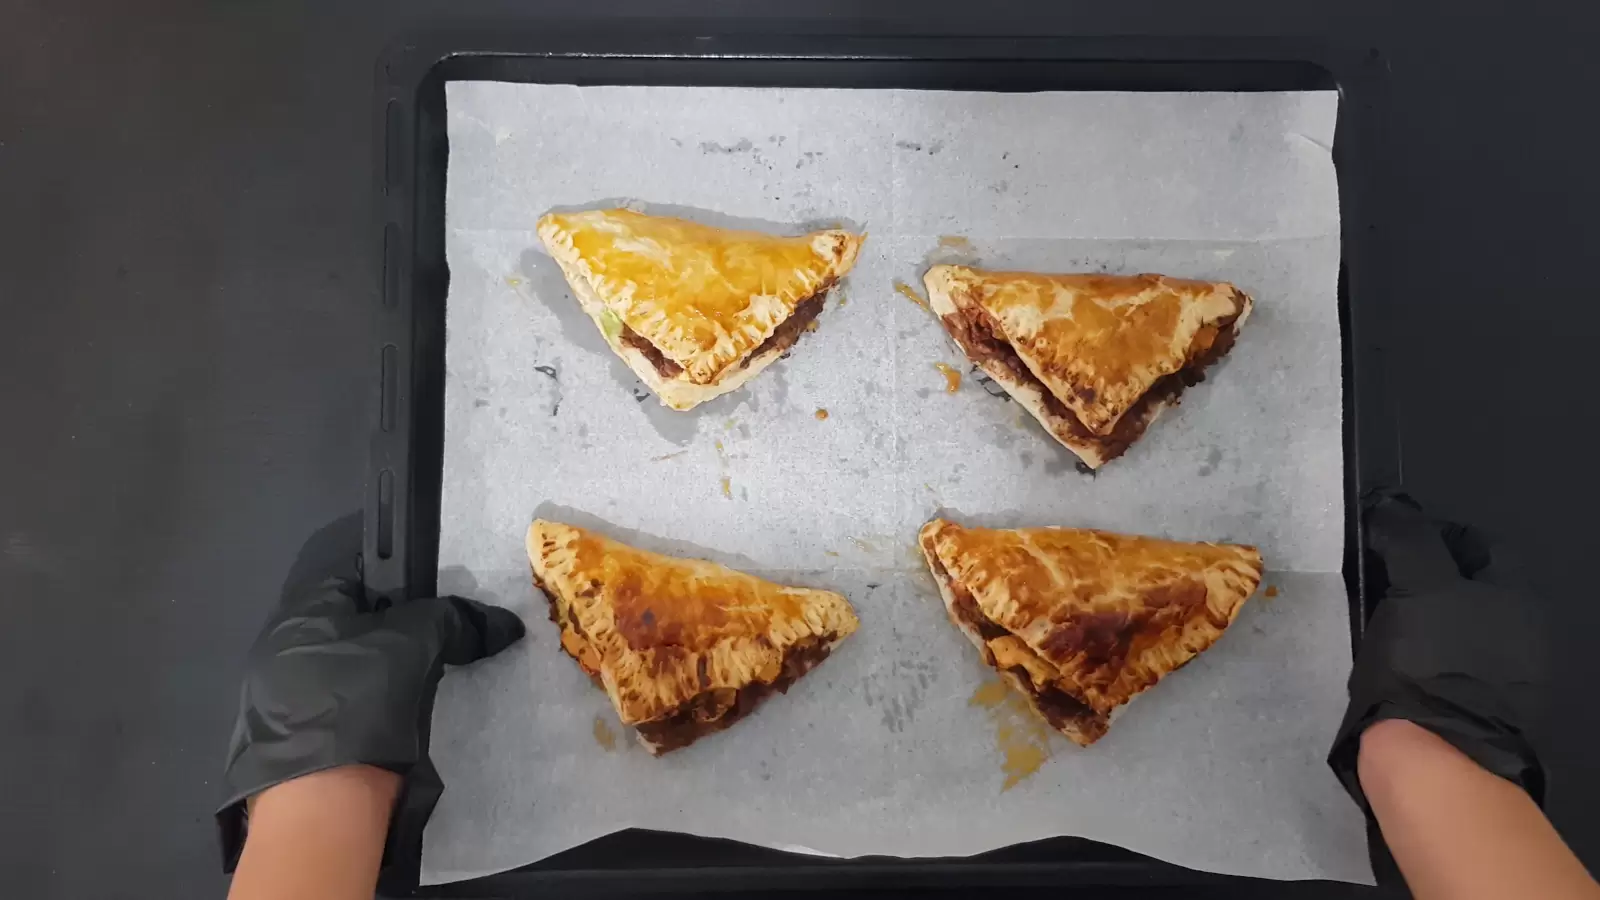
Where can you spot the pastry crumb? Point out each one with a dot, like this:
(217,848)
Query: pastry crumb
(952,377)
(822,414)
(1272,591)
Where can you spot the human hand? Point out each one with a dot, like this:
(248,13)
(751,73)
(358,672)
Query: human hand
(339,678)
(1453,647)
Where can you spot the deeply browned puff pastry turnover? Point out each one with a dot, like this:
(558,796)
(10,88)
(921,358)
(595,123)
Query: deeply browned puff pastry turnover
(1095,358)
(1081,621)
(683,647)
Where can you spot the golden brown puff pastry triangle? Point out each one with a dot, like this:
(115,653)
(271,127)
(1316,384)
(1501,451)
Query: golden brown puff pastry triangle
(695,311)
(683,647)
(1081,621)
(1095,358)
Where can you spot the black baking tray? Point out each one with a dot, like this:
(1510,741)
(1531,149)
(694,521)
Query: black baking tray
(401,542)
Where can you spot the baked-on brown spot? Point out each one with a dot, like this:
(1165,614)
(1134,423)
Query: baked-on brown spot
(975,331)
(713,711)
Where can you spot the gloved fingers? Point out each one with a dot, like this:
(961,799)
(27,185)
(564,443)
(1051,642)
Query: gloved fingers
(332,551)
(488,630)
(332,597)
(462,631)
(1411,545)
(1482,558)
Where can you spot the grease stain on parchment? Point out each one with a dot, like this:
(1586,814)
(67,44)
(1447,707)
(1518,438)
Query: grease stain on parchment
(603,735)
(1022,739)
(912,295)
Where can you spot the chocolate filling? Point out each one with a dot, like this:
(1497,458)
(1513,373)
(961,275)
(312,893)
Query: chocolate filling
(781,339)
(711,711)
(975,331)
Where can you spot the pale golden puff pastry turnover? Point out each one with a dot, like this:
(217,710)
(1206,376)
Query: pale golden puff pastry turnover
(1095,358)
(1081,621)
(695,311)
(683,647)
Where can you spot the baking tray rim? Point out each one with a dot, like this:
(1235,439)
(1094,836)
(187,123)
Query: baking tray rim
(402,495)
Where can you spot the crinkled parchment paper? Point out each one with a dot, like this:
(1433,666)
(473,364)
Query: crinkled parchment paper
(898,744)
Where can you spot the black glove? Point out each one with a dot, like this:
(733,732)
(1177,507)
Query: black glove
(337,678)
(1452,647)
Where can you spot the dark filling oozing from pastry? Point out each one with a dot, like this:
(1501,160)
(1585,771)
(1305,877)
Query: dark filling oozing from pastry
(1059,708)
(781,339)
(975,331)
(568,622)
(713,710)
(789,330)
(666,368)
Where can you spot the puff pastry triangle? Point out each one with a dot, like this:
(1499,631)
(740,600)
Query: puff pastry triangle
(1082,621)
(683,647)
(695,311)
(1095,358)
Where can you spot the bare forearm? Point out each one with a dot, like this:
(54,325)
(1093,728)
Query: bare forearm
(318,837)
(1457,831)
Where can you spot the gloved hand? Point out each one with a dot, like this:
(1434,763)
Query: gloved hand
(338,678)
(1452,647)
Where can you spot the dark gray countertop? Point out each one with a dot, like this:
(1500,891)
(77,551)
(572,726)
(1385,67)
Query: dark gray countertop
(187,266)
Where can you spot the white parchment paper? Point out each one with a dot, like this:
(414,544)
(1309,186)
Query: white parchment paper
(894,746)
